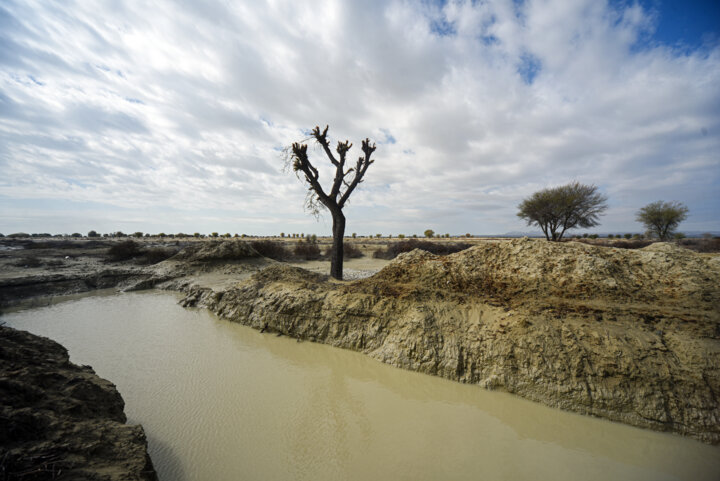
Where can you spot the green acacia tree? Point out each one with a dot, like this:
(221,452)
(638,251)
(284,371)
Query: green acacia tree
(558,209)
(662,218)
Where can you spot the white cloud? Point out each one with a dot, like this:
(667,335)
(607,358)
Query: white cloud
(183,106)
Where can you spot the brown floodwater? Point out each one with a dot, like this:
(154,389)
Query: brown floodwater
(220,401)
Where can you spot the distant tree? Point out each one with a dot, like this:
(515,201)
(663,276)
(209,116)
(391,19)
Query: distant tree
(196,234)
(76,234)
(378,235)
(161,235)
(342,186)
(610,236)
(468,235)
(558,209)
(662,218)
(282,234)
(415,236)
(401,236)
(447,236)
(354,235)
(214,234)
(429,233)
(627,236)
(593,236)
(679,236)
(137,234)
(92,233)
(585,235)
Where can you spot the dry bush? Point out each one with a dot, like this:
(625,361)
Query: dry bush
(705,245)
(155,255)
(271,250)
(124,250)
(349,252)
(620,244)
(307,251)
(439,248)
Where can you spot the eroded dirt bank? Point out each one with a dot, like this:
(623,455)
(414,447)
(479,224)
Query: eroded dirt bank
(61,421)
(632,336)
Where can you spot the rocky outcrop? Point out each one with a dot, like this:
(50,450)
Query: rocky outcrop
(61,421)
(632,336)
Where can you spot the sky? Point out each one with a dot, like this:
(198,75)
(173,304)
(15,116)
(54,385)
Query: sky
(171,116)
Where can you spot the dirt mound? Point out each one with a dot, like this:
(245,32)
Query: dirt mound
(632,336)
(216,251)
(59,420)
(525,270)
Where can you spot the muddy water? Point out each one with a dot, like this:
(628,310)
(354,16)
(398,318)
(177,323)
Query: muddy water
(220,401)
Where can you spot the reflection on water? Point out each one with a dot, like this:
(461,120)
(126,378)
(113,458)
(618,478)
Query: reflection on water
(221,401)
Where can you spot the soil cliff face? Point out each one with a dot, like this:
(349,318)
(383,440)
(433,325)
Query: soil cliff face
(632,336)
(62,421)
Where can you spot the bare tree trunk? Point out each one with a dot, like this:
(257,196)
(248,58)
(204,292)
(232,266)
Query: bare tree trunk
(336,259)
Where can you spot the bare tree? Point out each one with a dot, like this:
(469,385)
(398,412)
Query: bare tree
(662,218)
(342,186)
(557,209)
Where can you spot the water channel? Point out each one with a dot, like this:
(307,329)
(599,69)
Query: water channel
(221,401)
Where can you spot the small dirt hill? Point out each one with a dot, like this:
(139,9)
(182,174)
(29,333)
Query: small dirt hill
(524,270)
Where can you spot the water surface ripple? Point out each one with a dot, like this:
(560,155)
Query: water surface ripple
(220,401)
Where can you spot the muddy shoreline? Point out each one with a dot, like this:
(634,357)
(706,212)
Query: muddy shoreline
(631,336)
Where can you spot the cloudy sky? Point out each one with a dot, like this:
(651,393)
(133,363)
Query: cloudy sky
(171,116)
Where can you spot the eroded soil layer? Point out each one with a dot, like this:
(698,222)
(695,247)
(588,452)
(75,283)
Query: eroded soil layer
(628,335)
(61,421)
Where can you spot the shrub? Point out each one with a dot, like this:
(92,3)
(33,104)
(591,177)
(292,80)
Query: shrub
(307,250)
(123,251)
(350,251)
(630,244)
(153,256)
(396,248)
(271,249)
(706,244)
